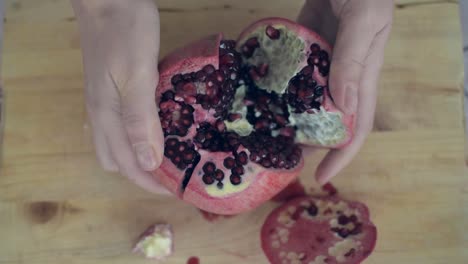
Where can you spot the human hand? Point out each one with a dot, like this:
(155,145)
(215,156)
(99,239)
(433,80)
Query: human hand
(359,30)
(120,44)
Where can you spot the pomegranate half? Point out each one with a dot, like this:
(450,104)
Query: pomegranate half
(235,114)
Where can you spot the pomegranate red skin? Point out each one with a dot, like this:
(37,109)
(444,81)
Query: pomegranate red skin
(261,186)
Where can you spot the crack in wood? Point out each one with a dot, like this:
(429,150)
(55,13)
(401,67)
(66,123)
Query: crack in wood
(414,4)
(184,10)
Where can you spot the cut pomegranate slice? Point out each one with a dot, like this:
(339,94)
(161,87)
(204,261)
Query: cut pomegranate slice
(234,114)
(319,231)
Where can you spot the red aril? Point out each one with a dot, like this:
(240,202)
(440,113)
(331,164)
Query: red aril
(319,231)
(235,113)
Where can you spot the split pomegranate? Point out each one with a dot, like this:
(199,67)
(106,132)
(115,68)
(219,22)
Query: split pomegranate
(318,231)
(235,113)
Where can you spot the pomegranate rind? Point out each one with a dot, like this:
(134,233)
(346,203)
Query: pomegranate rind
(311,239)
(309,37)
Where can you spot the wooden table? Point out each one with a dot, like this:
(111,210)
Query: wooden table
(58,206)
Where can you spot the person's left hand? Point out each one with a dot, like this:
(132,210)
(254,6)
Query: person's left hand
(359,30)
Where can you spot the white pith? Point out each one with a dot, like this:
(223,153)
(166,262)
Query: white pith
(286,56)
(322,127)
(241,126)
(157,244)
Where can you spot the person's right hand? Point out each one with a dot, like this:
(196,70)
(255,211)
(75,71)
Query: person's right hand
(120,44)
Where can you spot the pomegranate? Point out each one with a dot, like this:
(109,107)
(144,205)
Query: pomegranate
(318,230)
(235,114)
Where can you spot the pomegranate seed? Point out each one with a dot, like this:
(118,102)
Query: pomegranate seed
(234,117)
(330,189)
(238,170)
(209,167)
(187,77)
(218,75)
(169,153)
(311,82)
(255,157)
(188,155)
(176,78)
(235,179)
(350,253)
(323,55)
(213,90)
(262,69)
(209,69)
(189,89)
(281,120)
(171,142)
(186,122)
(242,158)
(252,42)
(190,100)
(246,51)
(207,179)
(301,93)
(343,220)
(287,132)
(248,102)
(182,146)
(273,158)
(353,218)
(272,32)
(314,48)
(200,76)
(262,124)
(312,210)
(219,175)
(266,163)
(343,233)
(220,126)
(229,163)
(227,59)
(254,74)
(307,70)
(292,89)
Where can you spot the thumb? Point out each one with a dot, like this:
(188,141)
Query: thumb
(141,121)
(356,31)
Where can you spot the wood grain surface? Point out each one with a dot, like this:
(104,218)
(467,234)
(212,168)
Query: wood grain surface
(58,206)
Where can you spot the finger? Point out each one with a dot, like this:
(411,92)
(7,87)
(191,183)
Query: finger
(101,145)
(318,16)
(336,160)
(124,156)
(141,121)
(359,22)
(137,91)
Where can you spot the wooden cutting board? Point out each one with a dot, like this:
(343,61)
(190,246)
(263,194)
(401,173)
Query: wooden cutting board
(58,206)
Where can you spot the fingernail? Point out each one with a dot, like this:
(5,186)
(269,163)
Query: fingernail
(145,156)
(351,99)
